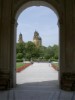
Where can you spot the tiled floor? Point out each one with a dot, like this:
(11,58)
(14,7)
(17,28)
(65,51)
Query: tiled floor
(37,91)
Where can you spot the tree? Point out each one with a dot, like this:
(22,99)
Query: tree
(51,52)
(30,50)
(19,56)
(20,48)
(47,53)
(56,51)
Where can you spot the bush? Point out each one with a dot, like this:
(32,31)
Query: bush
(19,56)
(19,60)
(53,59)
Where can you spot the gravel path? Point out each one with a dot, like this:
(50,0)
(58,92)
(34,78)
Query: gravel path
(37,72)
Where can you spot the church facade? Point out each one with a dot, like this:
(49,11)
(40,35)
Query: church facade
(20,40)
(36,39)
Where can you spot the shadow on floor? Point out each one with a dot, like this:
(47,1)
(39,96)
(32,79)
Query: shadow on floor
(47,90)
(47,85)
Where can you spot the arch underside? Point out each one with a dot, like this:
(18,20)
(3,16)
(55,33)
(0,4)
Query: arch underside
(22,5)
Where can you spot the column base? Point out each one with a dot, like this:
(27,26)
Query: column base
(67,81)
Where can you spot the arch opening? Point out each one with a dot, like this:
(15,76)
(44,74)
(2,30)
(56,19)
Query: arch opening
(37,4)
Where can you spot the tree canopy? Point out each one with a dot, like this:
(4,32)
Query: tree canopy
(30,51)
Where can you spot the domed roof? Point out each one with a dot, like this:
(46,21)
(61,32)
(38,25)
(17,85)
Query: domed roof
(36,33)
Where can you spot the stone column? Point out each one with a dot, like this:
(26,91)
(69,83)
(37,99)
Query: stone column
(67,48)
(13,52)
(5,33)
(62,41)
(0,27)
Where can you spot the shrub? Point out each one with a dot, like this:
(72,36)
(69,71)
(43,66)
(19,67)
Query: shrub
(19,56)
(19,60)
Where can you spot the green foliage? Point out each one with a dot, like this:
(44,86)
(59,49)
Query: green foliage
(19,64)
(20,48)
(28,56)
(19,56)
(30,51)
(19,60)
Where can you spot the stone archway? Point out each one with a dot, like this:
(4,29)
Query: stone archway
(27,78)
(35,3)
(66,12)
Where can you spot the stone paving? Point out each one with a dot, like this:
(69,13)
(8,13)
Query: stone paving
(37,72)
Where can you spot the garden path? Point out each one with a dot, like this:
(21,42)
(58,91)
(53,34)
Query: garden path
(37,72)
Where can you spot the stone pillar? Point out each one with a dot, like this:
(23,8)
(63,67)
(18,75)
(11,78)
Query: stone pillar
(67,47)
(13,53)
(0,28)
(5,34)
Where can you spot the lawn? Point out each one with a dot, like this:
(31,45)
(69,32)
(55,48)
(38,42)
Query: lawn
(55,65)
(19,64)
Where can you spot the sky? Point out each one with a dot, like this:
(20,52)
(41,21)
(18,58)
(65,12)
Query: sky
(41,19)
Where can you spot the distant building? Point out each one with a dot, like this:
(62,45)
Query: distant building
(37,39)
(20,40)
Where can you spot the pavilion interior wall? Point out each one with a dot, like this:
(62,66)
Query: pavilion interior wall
(67,43)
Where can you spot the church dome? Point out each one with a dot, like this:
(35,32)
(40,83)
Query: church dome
(36,33)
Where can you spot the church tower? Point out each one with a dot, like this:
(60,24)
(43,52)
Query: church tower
(37,39)
(20,38)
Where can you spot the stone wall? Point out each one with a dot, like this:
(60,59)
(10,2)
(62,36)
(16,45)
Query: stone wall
(66,12)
